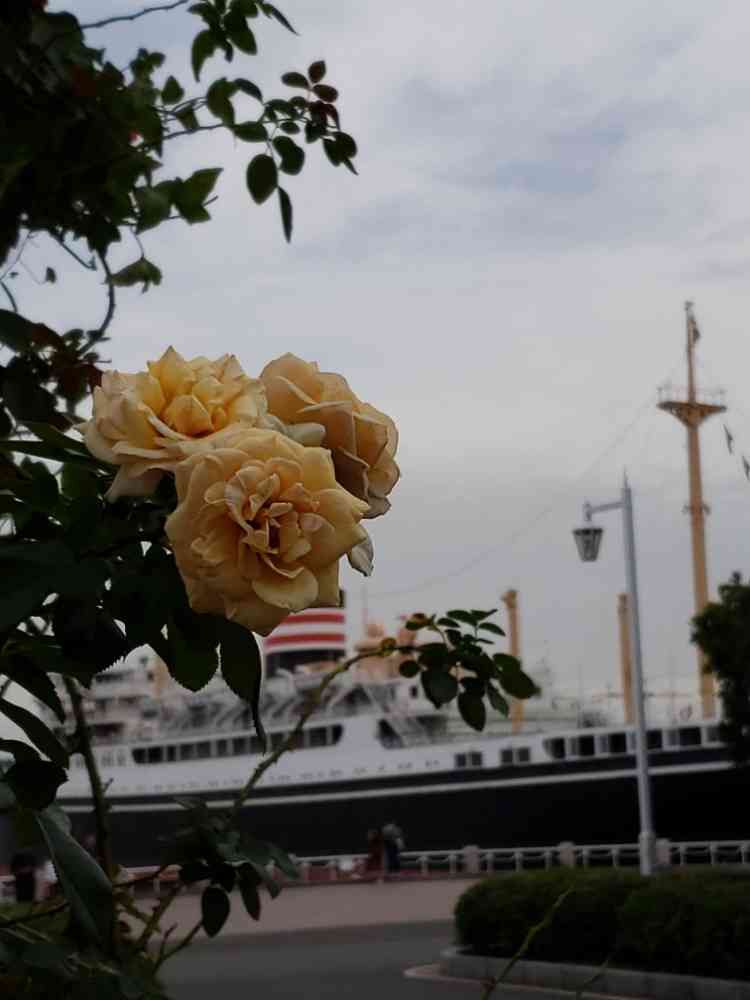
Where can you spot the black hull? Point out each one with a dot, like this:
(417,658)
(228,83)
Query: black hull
(595,803)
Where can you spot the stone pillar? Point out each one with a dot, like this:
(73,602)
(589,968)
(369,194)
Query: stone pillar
(471,860)
(567,853)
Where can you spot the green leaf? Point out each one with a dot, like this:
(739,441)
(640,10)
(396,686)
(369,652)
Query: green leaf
(490,627)
(439,686)
(497,701)
(515,681)
(462,616)
(215,907)
(203,47)
(84,884)
(249,88)
(249,881)
(291,128)
(292,155)
(15,331)
(35,782)
(192,657)
(472,710)
(20,666)
(45,432)
(78,482)
(241,666)
(251,131)
(172,92)
(409,668)
(295,80)
(19,750)
(285,206)
(262,177)
(238,31)
(347,148)
(139,272)
(188,119)
(317,71)
(153,207)
(191,194)
(218,100)
(40,735)
(325,93)
(270,11)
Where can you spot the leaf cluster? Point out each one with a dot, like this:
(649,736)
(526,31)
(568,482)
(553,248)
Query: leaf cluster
(457,665)
(722,632)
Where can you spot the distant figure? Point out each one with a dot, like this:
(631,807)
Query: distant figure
(23,870)
(393,844)
(374,862)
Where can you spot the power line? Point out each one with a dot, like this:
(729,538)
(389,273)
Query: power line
(519,532)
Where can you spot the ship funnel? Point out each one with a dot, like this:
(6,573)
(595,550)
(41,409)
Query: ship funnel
(510,600)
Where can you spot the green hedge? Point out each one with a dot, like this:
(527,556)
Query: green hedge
(693,922)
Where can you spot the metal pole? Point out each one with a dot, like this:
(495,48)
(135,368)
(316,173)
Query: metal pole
(646,840)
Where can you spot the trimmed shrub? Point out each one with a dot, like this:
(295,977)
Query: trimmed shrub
(694,922)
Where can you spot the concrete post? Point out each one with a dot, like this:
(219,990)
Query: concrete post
(567,853)
(663,852)
(471,859)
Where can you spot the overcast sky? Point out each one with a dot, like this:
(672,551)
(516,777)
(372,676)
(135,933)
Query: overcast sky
(542,185)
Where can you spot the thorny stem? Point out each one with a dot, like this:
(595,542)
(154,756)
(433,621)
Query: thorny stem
(83,738)
(58,908)
(105,23)
(110,302)
(165,954)
(314,701)
(494,981)
(158,912)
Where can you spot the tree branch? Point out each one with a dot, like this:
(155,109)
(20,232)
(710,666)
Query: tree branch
(166,955)
(315,699)
(105,23)
(11,299)
(110,301)
(88,264)
(83,738)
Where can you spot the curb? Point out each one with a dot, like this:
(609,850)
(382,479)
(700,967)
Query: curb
(560,979)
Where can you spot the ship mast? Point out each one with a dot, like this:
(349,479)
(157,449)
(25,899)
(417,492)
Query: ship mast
(692,412)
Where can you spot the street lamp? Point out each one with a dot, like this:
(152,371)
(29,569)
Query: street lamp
(588,540)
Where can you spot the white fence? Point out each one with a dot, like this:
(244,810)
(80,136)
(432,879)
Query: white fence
(473,861)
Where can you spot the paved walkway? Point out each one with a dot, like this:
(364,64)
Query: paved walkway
(317,907)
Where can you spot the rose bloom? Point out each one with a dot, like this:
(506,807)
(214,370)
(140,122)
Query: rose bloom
(260,526)
(362,440)
(148,422)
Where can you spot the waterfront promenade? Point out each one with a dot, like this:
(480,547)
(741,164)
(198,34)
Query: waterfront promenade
(307,908)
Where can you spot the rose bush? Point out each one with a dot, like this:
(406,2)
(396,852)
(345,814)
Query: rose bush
(260,526)
(362,440)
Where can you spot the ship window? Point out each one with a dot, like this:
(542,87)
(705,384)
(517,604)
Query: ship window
(187,751)
(318,736)
(171,754)
(586,746)
(654,739)
(460,760)
(139,755)
(556,749)
(712,734)
(523,755)
(203,749)
(239,745)
(122,758)
(336,734)
(153,755)
(222,748)
(690,736)
(472,759)
(414,691)
(475,759)
(618,743)
(506,756)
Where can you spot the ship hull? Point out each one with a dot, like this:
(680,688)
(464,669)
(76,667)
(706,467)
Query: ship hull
(592,803)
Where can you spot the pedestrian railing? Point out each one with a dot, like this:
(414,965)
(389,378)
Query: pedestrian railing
(468,862)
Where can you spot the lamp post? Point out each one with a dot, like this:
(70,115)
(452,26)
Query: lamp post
(588,540)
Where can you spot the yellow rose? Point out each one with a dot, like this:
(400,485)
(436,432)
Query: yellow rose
(148,422)
(260,526)
(362,440)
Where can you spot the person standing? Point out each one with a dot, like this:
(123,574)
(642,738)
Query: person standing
(374,862)
(393,844)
